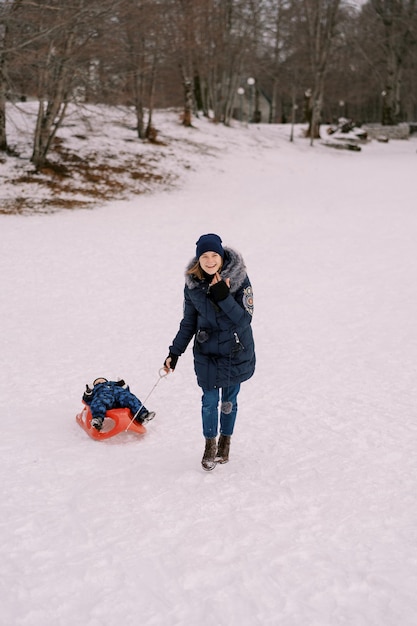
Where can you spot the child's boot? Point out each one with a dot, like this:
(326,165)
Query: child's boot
(143,416)
(97,423)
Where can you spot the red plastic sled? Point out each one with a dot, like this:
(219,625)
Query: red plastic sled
(121,418)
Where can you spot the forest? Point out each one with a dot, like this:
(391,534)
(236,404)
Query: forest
(270,61)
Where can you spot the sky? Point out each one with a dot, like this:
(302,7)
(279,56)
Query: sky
(313,520)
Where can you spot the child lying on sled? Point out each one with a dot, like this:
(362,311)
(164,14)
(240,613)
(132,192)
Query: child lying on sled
(107,394)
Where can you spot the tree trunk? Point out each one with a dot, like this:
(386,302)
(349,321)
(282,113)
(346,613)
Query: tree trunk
(4,44)
(150,131)
(138,104)
(188,103)
(48,122)
(3,85)
(390,107)
(188,98)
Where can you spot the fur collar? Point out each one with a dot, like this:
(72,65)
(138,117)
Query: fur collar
(233,268)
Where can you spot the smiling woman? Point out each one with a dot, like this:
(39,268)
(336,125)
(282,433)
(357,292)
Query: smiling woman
(218,309)
(211,262)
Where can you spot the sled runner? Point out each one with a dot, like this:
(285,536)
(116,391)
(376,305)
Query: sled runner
(121,419)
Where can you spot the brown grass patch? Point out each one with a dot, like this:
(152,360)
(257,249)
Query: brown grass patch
(94,178)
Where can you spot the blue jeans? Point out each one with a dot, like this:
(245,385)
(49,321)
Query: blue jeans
(228,410)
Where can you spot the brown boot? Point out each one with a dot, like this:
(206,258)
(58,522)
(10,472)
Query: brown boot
(209,455)
(223,449)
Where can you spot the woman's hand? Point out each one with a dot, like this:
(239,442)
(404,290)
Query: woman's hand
(219,288)
(217,279)
(170,363)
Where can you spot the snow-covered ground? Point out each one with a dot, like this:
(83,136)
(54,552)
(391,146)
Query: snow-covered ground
(313,521)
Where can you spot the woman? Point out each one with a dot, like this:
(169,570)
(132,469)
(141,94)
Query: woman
(218,309)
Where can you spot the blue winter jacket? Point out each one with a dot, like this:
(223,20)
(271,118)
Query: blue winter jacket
(224,351)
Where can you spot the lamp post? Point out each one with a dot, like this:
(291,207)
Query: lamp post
(383,94)
(307,104)
(294,109)
(251,82)
(241,93)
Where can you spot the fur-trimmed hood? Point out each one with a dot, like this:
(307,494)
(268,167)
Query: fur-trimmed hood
(233,267)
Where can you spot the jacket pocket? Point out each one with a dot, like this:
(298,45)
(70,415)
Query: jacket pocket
(202,336)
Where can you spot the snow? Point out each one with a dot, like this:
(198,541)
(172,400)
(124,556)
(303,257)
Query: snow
(313,520)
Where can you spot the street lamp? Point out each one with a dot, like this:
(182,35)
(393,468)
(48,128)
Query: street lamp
(251,82)
(241,93)
(383,94)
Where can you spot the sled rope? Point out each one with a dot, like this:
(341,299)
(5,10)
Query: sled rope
(161,374)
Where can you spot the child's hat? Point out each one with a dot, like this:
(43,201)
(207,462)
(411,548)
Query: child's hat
(100,380)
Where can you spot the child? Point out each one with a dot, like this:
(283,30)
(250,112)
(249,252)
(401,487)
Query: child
(108,394)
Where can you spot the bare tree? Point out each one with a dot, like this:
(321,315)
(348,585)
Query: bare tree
(53,38)
(320,19)
(211,39)
(4,27)
(182,35)
(54,82)
(398,20)
(8,10)
(56,67)
(228,47)
(142,30)
(277,51)
(273,46)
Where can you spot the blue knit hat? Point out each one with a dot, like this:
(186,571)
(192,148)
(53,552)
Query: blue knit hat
(209,243)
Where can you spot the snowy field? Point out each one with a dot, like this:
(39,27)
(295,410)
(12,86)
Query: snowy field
(313,521)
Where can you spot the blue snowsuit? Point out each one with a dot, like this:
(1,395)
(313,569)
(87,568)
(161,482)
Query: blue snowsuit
(111,395)
(224,351)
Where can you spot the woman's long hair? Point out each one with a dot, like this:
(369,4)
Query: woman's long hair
(196,270)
